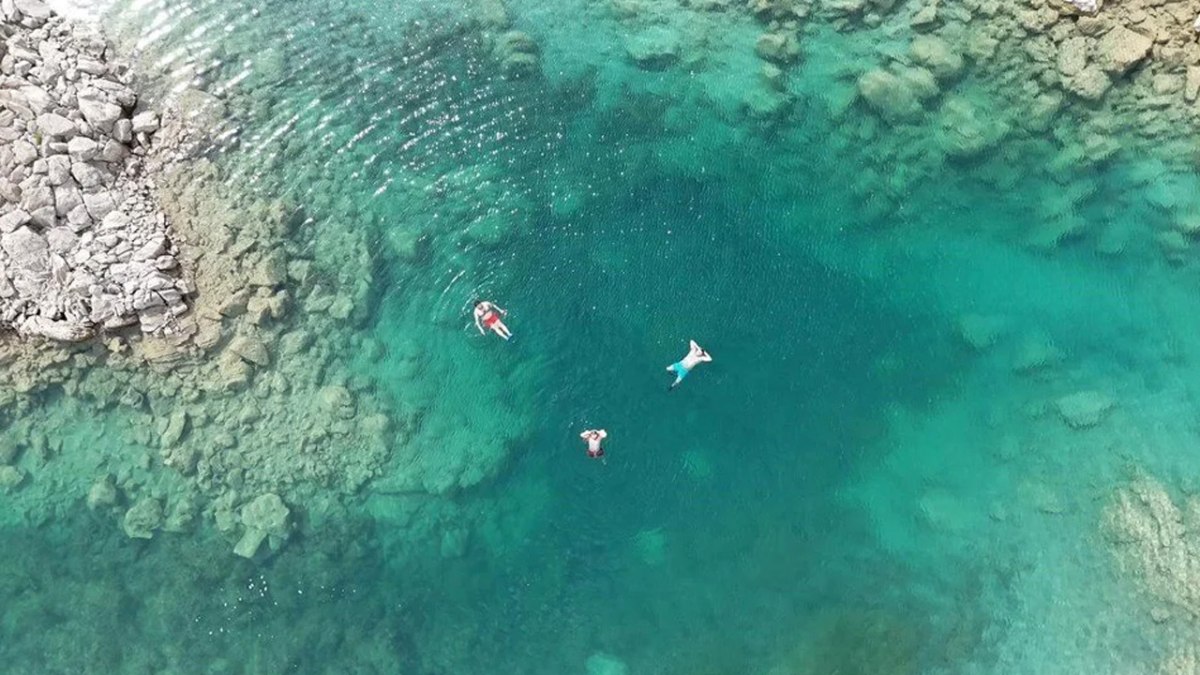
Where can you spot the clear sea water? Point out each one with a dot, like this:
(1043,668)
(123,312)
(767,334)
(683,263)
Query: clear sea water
(848,488)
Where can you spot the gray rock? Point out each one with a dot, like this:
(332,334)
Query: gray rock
(154,319)
(33,8)
(35,98)
(12,220)
(24,152)
(123,130)
(56,125)
(61,239)
(91,66)
(151,249)
(87,175)
(83,149)
(26,249)
(9,191)
(115,221)
(43,217)
(61,331)
(145,122)
(58,169)
(66,198)
(114,152)
(114,91)
(99,204)
(100,114)
(38,197)
(79,219)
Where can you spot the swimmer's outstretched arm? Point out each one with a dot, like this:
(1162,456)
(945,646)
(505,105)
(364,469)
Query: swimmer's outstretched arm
(479,325)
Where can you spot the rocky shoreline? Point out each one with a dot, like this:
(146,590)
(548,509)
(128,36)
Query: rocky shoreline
(165,303)
(84,247)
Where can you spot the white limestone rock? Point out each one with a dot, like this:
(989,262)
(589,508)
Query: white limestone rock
(60,331)
(100,114)
(83,149)
(24,152)
(10,221)
(145,122)
(1083,6)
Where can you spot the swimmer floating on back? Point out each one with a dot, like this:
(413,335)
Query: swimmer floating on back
(487,315)
(681,368)
(593,438)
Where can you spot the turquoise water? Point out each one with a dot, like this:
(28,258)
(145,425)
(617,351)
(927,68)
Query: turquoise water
(849,487)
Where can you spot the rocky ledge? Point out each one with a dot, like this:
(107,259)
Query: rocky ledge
(83,246)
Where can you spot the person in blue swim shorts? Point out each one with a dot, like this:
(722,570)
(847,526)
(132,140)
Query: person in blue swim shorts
(682,367)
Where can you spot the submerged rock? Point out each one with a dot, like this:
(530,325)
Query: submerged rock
(654,49)
(1120,49)
(936,54)
(103,494)
(889,95)
(143,519)
(1084,409)
(11,478)
(777,47)
(980,331)
(264,519)
(601,663)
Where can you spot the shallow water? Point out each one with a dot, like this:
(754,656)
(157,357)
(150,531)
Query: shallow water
(848,488)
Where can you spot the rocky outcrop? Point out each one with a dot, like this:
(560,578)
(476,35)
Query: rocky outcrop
(1120,49)
(265,520)
(1157,542)
(83,247)
(143,519)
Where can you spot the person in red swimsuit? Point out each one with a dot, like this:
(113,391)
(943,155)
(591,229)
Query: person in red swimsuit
(487,315)
(593,438)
